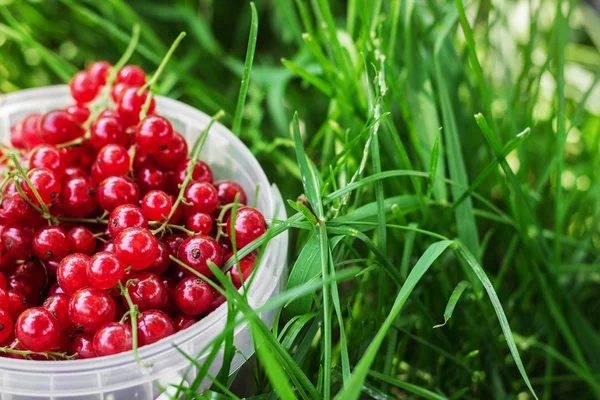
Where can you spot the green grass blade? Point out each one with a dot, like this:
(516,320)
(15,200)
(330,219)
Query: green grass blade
(454,297)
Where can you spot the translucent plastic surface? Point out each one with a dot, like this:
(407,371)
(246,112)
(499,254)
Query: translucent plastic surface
(119,377)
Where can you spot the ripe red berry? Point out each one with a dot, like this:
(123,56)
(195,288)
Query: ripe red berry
(116,191)
(30,292)
(153,134)
(16,209)
(57,127)
(4,299)
(193,296)
(16,135)
(17,303)
(249,225)
(199,223)
(34,273)
(136,247)
(202,196)
(31,130)
(6,324)
(113,338)
(45,182)
(80,113)
(99,71)
(160,264)
(196,251)
(105,270)
(148,292)
(107,130)
(78,196)
(150,177)
(79,156)
(83,346)
(84,87)
(130,104)
(113,160)
(126,216)
(58,305)
(246,266)
(72,273)
(175,151)
(174,241)
(16,240)
(131,75)
(51,243)
(47,156)
(154,325)
(82,240)
(90,308)
(37,329)
(183,321)
(156,205)
(227,191)
(201,172)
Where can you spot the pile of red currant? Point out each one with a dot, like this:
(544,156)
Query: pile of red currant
(107,225)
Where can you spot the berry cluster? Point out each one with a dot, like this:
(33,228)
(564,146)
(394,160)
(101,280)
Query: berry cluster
(98,201)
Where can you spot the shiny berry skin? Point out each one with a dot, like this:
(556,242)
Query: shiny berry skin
(58,305)
(130,104)
(227,190)
(84,87)
(107,130)
(117,90)
(16,240)
(51,243)
(116,191)
(154,325)
(105,270)
(31,130)
(90,308)
(150,177)
(148,292)
(246,265)
(136,247)
(196,251)
(156,205)
(30,292)
(58,127)
(6,324)
(55,289)
(34,273)
(72,273)
(81,240)
(47,156)
(83,346)
(160,264)
(113,338)
(16,135)
(153,134)
(45,182)
(113,160)
(249,225)
(126,216)
(175,151)
(99,71)
(131,75)
(109,113)
(199,223)
(140,159)
(193,296)
(37,329)
(17,303)
(201,173)
(183,321)
(202,196)
(74,172)
(15,208)
(79,113)
(79,196)
(4,299)
(80,156)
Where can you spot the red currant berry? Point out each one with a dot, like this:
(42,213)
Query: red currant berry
(90,308)
(130,104)
(79,113)
(183,321)
(153,134)
(160,264)
(83,346)
(37,329)
(51,243)
(202,196)
(47,156)
(116,191)
(196,251)
(17,303)
(249,225)
(201,172)
(31,130)
(193,296)
(45,182)
(105,270)
(6,324)
(156,205)
(4,299)
(99,71)
(131,75)
(113,160)
(126,216)
(27,289)
(113,338)
(109,113)
(74,172)
(78,196)
(148,292)
(117,90)
(154,325)
(79,156)
(16,135)
(136,247)
(199,223)
(58,127)
(84,87)
(15,208)
(174,241)
(72,273)
(150,177)
(16,240)
(227,190)
(246,266)
(58,305)
(34,273)
(81,240)
(140,159)
(171,156)
(107,130)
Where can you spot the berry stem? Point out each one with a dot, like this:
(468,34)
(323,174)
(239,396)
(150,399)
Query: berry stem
(188,176)
(84,220)
(220,224)
(28,353)
(172,226)
(150,84)
(133,312)
(44,209)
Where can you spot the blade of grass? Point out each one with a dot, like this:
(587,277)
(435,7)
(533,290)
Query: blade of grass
(456,293)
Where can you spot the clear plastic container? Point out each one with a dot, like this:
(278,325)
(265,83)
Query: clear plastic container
(120,377)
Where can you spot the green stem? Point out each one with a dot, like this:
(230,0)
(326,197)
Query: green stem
(220,224)
(84,220)
(28,353)
(133,312)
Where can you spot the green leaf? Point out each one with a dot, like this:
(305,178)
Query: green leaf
(454,297)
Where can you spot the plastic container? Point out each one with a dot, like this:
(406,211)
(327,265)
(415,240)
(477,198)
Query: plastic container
(120,377)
